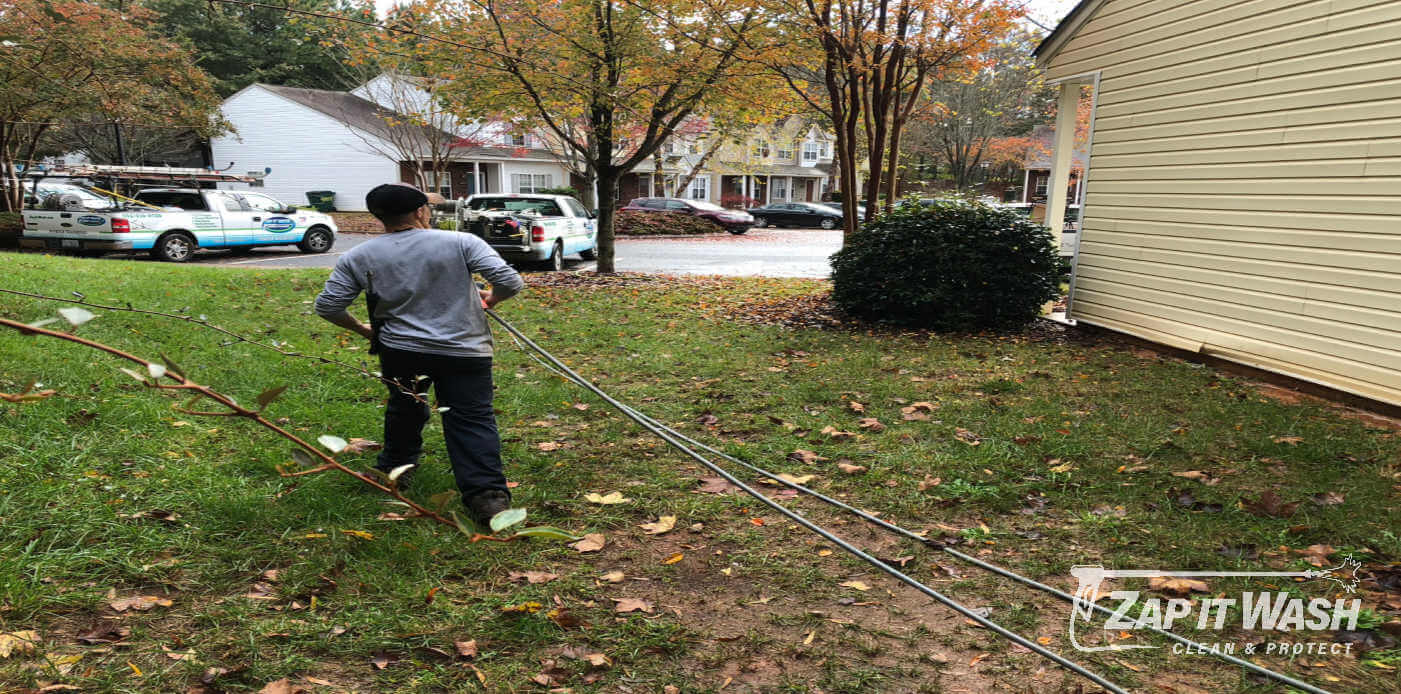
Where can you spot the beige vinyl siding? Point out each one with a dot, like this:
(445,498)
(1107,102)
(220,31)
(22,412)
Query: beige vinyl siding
(1244,186)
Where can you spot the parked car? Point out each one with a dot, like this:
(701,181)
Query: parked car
(531,228)
(733,221)
(837,205)
(797,214)
(172,223)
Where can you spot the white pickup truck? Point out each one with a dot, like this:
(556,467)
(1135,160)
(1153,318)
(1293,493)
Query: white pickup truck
(174,222)
(530,227)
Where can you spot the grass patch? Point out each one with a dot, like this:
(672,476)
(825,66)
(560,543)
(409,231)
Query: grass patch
(1046,453)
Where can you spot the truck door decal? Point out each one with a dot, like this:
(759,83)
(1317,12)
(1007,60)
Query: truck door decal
(91,220)
(278,225)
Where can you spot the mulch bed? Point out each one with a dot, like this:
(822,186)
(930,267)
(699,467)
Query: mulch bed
(357,223)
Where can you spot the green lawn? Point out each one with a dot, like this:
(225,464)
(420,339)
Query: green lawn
(1039,453)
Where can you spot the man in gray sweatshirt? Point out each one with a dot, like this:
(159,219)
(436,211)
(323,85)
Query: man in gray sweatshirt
(429,328)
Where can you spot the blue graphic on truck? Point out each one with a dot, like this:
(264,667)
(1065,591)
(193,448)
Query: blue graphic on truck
(278,225)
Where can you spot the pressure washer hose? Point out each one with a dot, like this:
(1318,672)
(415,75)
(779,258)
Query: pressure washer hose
(675,439)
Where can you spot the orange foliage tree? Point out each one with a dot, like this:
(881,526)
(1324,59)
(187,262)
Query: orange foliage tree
(65,60)
(864,64)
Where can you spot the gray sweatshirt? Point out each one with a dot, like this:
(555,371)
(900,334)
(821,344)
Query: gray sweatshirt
(427,299)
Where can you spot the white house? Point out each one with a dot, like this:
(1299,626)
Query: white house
(313,139)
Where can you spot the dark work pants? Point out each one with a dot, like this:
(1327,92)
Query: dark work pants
(463,385)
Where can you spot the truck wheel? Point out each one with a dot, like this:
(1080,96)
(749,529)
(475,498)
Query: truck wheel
(175,247)
(828,223)
(555,262)
(317,240)
(589,254)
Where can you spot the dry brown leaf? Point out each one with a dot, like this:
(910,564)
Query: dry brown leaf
(1317,555)
(967,436)
(855,585)
(674,558)
(1269,504)
(606,499)
(631,605)
(18,642)
(803,456)
(1177,585)
(599,660)
(591,542)
(662,524)
(850,469)
(871,424)
(466,649)
(715,485)
(531,576)
(581,406)
(361,445)
(1328,499)
(549,445)
(855,406)
(612,577)
(140,603)
(1290,440)
(283,686)
(837,435)
(929,482)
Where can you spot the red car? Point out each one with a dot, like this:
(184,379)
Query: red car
(733,221)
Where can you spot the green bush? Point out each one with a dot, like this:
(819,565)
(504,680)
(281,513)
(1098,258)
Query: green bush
(955,265)
(637,223)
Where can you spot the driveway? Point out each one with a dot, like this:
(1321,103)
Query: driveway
(761,252)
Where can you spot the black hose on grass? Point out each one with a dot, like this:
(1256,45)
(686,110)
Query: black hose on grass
(662,432)
(665,433)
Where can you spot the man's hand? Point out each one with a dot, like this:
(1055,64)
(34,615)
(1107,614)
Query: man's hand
(351,323)
(488,300)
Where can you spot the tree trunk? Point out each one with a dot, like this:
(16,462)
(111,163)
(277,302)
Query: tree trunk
(892,179)
(607,190)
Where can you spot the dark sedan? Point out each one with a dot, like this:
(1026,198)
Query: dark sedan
(733,221)
(796,214)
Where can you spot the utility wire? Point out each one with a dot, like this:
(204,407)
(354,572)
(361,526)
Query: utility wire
(654,425)
(663,433)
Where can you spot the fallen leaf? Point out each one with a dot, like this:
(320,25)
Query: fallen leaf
(581,406)
(1197,475)
(795,479)
(591,542)
(599,660)
(612,577)
(18,642)
(606,499)
(929,482)
(466,649)
(855,585)
(855,406)
(674,558)
(532,576)
(1269,504)
(381,661)
(549,445)
(850,469)
(1289,440)
(1176,585)
(803,456)
(967,436)
(837,435)
(708,419)
(530,607)
(1317,555)
(871,424)
(1328,499)
(361,534)
(716,485)
(631,605)
(566,619)
(662,524)
(140,603)
(283,686)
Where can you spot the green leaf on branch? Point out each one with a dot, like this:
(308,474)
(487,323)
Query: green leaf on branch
(335,444)
(133,374)
(547,532)
(441,500)
(506,519)
(302,457)
(157,371)
(266,397)
(462,527)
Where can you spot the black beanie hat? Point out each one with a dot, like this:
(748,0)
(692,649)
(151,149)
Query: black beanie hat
(394,199)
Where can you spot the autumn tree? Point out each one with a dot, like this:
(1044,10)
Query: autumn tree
(864,64)
(985,115)
(608,80)
(65,60)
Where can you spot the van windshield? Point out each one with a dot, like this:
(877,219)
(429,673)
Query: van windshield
(543,206)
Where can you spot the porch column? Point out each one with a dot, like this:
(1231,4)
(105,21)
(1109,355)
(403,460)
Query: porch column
(768,189)
(1061,159)
(1026,186)
(476,180)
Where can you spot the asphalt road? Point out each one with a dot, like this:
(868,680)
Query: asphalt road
(760,252)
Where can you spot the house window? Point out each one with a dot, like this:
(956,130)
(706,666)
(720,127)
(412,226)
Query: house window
(695,146)
(700,188)
(440,183)
(516,139)
(826,150)
(785,151)
(761,149)
(811,151)
(531,183)
(780,188)
(1042,180)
